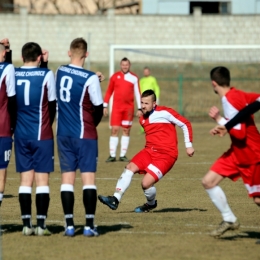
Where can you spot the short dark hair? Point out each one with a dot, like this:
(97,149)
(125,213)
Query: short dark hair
(125,59)
(79,46)
(146,68)
(31,51)
(149,92)
(221,75)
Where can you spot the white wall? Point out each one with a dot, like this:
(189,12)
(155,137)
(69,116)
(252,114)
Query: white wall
(55,32)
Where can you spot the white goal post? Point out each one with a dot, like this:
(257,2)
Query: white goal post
(174,63)
(115,47)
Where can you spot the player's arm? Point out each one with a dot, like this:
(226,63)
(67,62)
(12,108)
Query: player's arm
(49,79)
(138,98)
(243,115)
(95,94)
(11,94)
(182,122)
(44,59)
(8,52)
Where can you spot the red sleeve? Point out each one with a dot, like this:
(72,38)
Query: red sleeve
(110,90)
(240,130)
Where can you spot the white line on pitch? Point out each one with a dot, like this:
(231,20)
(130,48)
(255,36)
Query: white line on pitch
(113,179)
(142,232)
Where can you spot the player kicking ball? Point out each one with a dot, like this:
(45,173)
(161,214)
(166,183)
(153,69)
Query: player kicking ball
(158,156)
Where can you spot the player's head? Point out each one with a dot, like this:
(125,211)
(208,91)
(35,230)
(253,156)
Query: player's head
(148,102)
(2,52)
(78,49)
(125,65)
(146,71)
(31,52)
(220,76)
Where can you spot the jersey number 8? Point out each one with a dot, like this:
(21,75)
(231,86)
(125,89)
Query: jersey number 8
(65,86)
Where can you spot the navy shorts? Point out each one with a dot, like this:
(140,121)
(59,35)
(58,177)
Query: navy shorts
(5,151)
(37,155)
(76,153)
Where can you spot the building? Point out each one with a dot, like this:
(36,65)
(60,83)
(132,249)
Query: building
(185,7)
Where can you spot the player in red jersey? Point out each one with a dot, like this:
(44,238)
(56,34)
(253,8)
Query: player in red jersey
(7,111)
(123,85)
(243,157)
(158,156)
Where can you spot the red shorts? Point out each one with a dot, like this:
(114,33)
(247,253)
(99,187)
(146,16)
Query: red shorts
(226,167)
(154,163)
(122,118)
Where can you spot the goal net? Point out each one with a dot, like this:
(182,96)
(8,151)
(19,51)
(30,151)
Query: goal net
(182,71)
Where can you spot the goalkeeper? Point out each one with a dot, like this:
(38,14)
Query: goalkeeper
(149,82)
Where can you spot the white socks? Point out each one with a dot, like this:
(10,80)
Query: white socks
(124,145)
(150,195)
(123,183)
(219,199)
(113,142)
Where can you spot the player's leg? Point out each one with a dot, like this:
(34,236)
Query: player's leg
(122,185)
(24,165)
(68,166)
(43,163)
(5,154)
(67,200)
(113,140)
(88,154)
(126,124)
(139,162)
(223,167)
(159,166)
(25,200)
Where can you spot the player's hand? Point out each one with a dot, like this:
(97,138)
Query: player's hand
(105,111)
(6,43)
(139,113)
(190,151)
(45,55)
(101,77)
(219,130)
(214,113)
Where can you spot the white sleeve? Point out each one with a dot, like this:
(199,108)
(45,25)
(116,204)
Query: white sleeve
(50,81)
(94,90)
(10,80)
(137,94)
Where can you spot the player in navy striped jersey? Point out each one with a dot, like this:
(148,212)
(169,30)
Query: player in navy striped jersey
(80,109)
(36,104)
(7,112)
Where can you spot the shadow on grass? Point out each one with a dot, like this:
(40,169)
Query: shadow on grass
(178,210)
(8,196)
(58,229)
(244,234)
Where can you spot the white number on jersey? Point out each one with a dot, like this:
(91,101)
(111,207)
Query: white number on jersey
(26,83)
(7,155)
(65,86)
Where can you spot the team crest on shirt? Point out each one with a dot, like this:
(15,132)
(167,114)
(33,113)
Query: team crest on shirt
(143,121)
(118,76)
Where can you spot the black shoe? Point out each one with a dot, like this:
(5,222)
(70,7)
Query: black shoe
(111,201)
(123,159)
(145,208)
(111,159)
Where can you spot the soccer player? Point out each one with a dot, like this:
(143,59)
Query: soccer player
(7,112)
(243,157)
(149,82)
(33,137)
(222,130)
(124,85)
(80,109)
(158,156)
